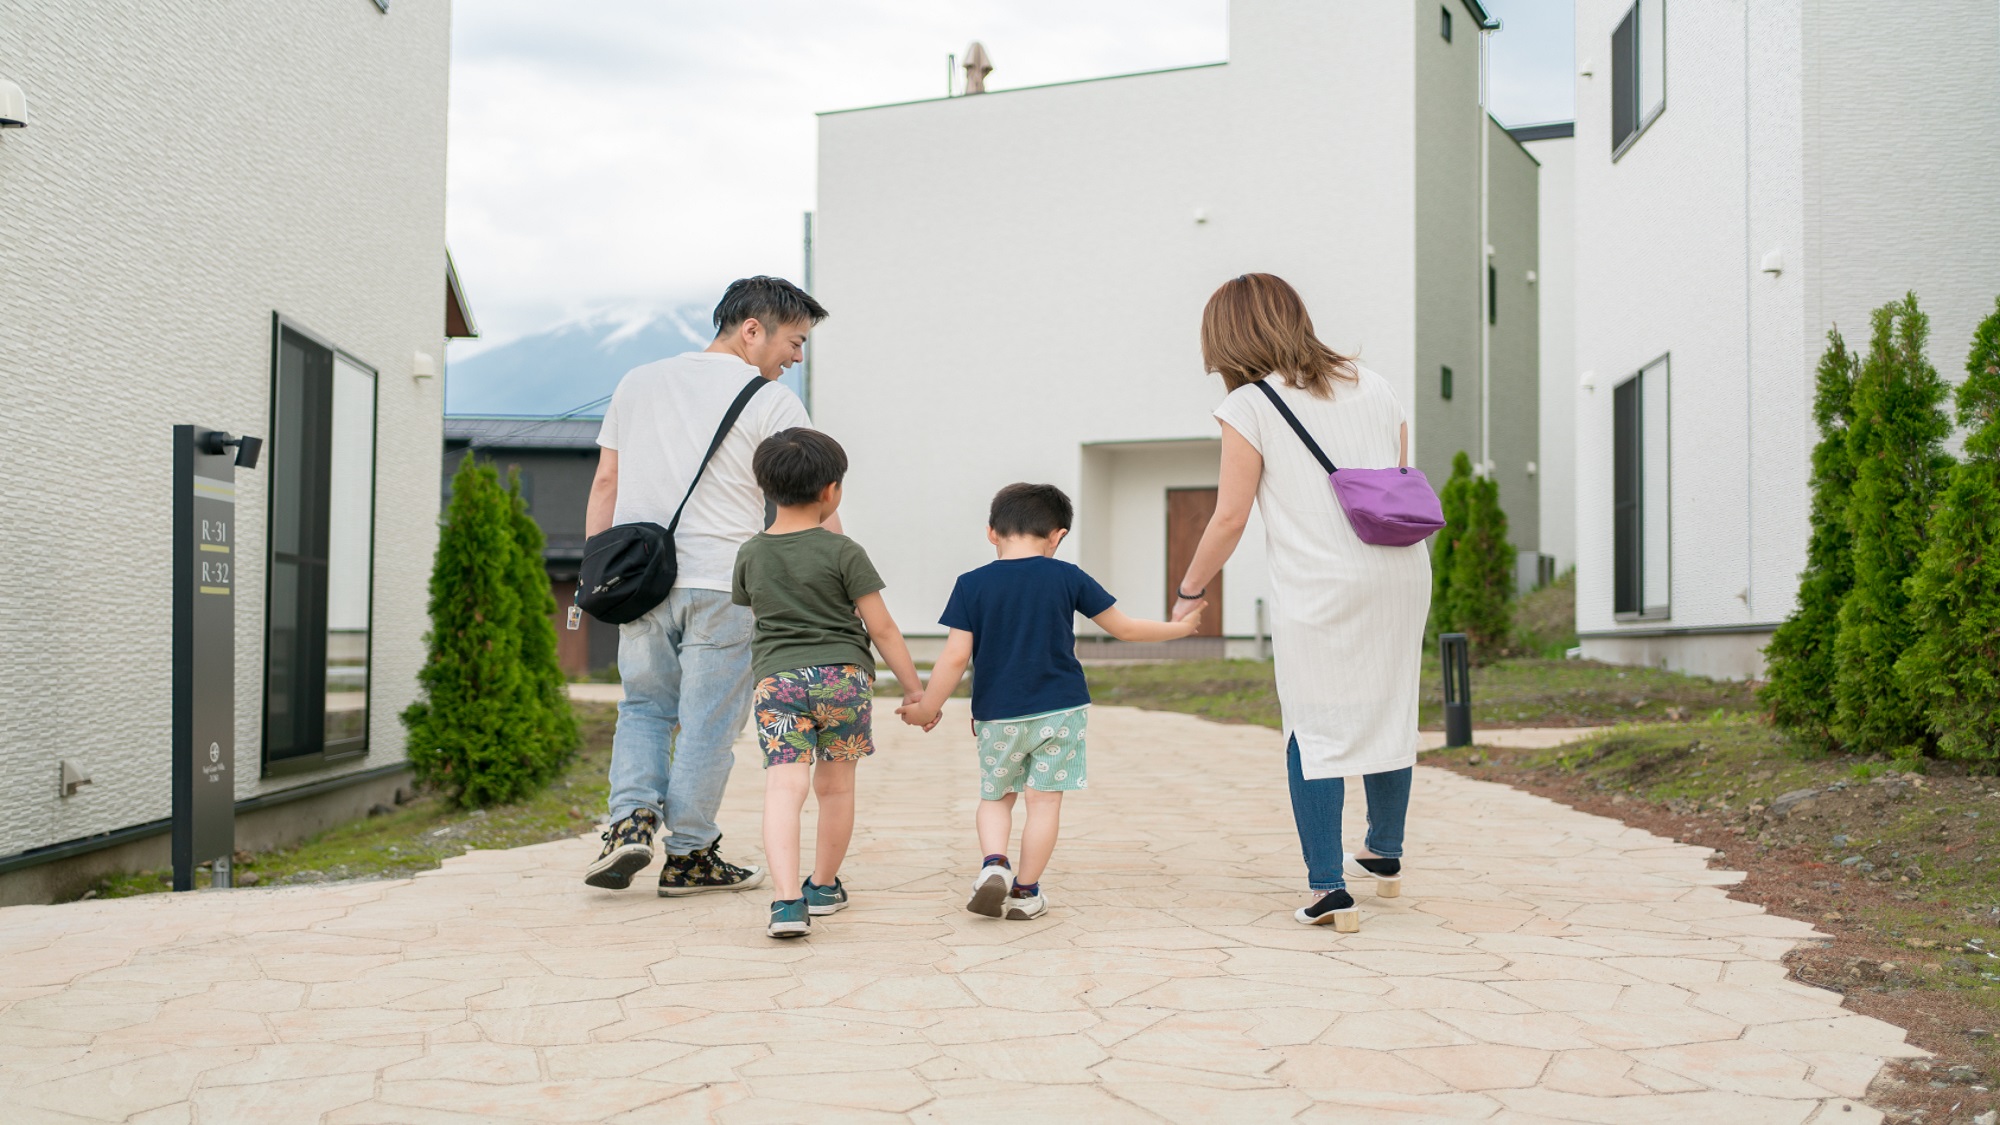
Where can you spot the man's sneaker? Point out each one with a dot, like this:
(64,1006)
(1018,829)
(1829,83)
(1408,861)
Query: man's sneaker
(789,919)
(1022,907)
(628,848)
(824,900)
(989,890)
(1387,873)
(1335,907)
(705,870)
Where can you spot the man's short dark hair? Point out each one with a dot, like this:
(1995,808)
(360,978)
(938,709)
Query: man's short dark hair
(792,466)
(771,301)
(1039,510)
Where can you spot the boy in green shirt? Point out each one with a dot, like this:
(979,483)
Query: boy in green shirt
(818,603)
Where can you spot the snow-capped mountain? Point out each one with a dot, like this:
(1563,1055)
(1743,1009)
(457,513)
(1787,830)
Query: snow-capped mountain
(571,365)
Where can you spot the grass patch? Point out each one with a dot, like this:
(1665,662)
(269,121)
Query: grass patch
(1507,693)
(422,834)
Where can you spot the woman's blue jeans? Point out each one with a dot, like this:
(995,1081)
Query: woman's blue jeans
(1316,809)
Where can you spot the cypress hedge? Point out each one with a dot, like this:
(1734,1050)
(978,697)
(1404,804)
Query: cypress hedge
(1953,669)
(1478,603)
(1453,499)
(478,732)
(1896,442)
(548,689)
(1799,689)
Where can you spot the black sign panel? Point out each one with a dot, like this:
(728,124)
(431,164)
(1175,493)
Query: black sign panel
(204,654)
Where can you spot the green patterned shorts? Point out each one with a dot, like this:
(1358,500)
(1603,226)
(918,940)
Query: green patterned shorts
(809,714)
(1041,752)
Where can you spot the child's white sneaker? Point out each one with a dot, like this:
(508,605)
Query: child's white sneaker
(1022,907)
(989,890)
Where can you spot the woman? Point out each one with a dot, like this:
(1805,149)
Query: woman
(1348,616)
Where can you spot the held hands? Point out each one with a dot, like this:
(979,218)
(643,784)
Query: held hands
(916,714)
(1187,613)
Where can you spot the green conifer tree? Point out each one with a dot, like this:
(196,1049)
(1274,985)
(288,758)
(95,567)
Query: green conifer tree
(1799,690)
(1452,497)
(1897,445)
(465,735)
(1954,668)
(541,668)
(1482,574)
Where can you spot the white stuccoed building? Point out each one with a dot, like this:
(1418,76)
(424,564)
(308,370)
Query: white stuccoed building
(1748,176)
(1016,282)
(231,216)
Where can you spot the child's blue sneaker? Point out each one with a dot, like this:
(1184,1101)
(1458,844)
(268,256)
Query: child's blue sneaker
(824,900)
(789,919)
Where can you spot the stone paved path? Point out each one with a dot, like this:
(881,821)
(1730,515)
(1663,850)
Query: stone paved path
(1543,965)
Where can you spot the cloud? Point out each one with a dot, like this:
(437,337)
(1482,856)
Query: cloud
(621,157)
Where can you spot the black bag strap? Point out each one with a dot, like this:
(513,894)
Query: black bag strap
(722,431)
(1297,427)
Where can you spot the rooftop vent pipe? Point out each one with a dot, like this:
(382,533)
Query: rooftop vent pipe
(977,67)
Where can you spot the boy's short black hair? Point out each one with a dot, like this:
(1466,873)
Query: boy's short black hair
(792,466)
(771,301)
(1039,510)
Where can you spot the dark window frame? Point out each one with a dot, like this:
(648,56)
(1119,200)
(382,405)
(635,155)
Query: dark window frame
(1444,382)
(1629,117)
(319,758)
(1629,497)
(1492,293)
(1444,26)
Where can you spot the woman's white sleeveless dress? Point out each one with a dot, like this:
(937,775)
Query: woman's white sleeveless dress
(1347,617)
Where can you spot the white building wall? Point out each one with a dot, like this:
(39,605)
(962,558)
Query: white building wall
(1556,288)
(1663,268)
(187,171)
(1016,275)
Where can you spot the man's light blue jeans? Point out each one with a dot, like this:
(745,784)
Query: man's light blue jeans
(686,668)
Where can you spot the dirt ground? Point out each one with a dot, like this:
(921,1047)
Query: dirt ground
(1898,868)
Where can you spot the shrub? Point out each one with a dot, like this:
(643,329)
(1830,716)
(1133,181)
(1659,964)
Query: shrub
(465,735)
(1896,442)
(1452,497)
(541,667)
(1545,619)
(1799,691)
(1953,670)
(1482,574)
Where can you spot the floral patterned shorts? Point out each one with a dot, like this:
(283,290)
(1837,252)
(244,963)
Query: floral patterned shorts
(1043,752)
(815,714)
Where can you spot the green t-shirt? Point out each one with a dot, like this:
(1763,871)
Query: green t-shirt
(802,587)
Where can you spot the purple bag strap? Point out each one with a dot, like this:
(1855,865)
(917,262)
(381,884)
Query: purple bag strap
(1298,428)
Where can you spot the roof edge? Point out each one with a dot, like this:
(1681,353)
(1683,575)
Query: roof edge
(1545,131)
(1023,89)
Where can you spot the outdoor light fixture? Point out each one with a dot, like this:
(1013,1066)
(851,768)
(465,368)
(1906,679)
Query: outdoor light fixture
(215,442)
(13,106)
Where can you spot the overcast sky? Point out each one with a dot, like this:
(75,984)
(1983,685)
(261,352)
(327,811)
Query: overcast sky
(614,158)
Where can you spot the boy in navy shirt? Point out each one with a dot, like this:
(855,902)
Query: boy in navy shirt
(1014,620)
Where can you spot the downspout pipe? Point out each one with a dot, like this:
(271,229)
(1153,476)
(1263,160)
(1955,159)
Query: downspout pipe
(1486,30)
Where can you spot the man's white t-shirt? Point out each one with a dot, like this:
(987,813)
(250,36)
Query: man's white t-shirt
(660,421)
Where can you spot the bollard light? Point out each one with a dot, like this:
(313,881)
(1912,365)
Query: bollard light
(1455,660)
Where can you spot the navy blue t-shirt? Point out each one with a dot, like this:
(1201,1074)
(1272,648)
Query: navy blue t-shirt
(1020,613)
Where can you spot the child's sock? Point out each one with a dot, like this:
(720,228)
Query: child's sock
(1026,890)
(999,859)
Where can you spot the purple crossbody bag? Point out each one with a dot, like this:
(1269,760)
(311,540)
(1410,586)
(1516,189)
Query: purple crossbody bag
(1387,507)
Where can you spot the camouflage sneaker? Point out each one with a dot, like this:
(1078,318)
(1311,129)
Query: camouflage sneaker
(705,870)
(628,848)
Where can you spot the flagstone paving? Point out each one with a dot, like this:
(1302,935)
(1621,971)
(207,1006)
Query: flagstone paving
(1542,965)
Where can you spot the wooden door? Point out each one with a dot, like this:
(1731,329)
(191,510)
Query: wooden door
(1188,512)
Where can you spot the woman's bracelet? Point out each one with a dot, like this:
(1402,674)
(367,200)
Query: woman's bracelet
(1194,597)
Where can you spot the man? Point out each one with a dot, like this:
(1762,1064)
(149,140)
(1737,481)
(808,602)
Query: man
(686,664)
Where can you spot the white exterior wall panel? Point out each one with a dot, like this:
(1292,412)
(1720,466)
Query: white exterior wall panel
(1556,299)
(1016,275)
(187,171)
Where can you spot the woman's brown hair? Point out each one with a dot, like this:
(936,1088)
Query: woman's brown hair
(1256,325)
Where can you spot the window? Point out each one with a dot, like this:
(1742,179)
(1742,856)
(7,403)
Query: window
(1640,528)
(1444,24)
(1492,295)
(1638,72)
(322,543)
(1444,384)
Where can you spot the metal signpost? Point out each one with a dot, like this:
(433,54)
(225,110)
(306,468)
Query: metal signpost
(205,649)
